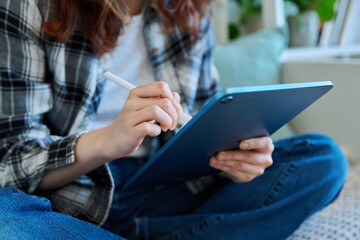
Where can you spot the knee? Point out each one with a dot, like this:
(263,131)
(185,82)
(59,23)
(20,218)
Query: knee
(332,165)
(318,152)
(337,163)
(319,165)
(329,160)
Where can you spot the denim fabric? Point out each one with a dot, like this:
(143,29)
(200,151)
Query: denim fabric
(24,217)
(307,174)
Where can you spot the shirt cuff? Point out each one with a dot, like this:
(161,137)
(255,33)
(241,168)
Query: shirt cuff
(59,153)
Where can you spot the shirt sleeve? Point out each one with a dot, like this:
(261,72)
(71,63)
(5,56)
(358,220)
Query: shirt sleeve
(27,148)
(207,87)
(209,78)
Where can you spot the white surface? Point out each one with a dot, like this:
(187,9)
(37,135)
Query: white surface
(326,34)
(295,54)
(273,13)
(220,16)
(338,22)
(336,114)
(351,29)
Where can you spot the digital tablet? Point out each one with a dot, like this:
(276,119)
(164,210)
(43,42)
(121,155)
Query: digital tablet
(229,117)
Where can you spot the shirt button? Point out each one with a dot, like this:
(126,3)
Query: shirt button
(155,50)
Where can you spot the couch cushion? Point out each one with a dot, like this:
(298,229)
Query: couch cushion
(251,60)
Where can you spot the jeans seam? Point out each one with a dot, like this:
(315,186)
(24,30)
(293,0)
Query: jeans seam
(270,197)
(137,228)
(141,228)
(196,228)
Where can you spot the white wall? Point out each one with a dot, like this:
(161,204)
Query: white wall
(220,16)
(338,112)
(273,13)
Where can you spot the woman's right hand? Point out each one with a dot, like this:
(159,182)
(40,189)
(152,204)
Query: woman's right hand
(144,105)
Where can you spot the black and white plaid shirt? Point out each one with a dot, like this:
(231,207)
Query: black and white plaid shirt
(49,93)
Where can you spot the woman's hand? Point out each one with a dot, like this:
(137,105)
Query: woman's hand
(145,105)
(245,164)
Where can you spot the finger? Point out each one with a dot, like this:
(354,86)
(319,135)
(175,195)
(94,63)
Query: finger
(151,113)
(263,144)
(139,132)
(164,103)
(177,98)
(146,129)
(236,176)
(243,167)
(250,157)
(155,90)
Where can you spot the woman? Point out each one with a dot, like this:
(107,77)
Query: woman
(54,54)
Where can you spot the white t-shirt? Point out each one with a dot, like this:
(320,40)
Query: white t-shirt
(131,62)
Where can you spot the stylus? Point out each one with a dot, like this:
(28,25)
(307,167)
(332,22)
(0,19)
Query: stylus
(183,117)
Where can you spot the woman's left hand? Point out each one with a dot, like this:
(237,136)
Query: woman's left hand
(245,164)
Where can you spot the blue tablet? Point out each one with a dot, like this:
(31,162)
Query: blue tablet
(229,117)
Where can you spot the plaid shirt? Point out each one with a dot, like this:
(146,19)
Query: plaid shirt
(49,93)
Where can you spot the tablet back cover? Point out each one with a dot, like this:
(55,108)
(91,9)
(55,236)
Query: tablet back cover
(230,116)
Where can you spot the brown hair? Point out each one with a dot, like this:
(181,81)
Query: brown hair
(104,20)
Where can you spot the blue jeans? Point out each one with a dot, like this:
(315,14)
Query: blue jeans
(307,174)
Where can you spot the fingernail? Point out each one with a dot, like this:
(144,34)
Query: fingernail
(244,145)
(220,157)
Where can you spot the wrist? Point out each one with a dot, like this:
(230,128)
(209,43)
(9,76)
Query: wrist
(93,145)
(104,143)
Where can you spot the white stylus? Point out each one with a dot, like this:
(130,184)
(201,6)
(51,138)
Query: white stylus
(183,117)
